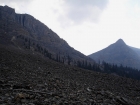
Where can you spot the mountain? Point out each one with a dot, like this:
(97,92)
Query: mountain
(30,79)
(118,53)
(137,50)
(27,76)
(24,32)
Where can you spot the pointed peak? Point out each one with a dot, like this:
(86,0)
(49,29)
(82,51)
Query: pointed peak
(120,41)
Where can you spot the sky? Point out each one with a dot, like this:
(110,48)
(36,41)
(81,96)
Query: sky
(87,25)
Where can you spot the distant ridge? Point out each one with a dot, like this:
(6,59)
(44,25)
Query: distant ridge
(118,53)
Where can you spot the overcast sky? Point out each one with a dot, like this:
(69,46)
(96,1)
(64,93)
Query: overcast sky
(87,25)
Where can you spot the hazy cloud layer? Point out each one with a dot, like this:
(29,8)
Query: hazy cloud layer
(83,3)
(20,6)
(79,11)
(12,1)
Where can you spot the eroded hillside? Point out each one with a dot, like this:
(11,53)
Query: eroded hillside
(29,79)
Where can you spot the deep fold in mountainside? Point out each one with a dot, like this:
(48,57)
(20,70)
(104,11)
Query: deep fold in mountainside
(118,53)
(25,32)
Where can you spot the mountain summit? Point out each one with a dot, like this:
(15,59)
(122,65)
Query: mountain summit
(120,42)
(118,53)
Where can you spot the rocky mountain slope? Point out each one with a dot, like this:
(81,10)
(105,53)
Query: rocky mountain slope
(30,79)
(137,50)
(118,53)
(29,74)
(25,32)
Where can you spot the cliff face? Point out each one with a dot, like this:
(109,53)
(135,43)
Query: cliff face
(25,32)
(28,22)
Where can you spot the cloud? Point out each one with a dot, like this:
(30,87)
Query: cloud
(87,25)
(80,11)
(78,3)
(15,1)
(20,6)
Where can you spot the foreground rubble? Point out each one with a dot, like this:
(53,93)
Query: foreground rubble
(29,80)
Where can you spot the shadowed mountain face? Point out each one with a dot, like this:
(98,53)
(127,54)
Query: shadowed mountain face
(137,50)
(118,53)
(25,32)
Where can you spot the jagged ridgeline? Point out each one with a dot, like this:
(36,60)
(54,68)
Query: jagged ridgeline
(23,31)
